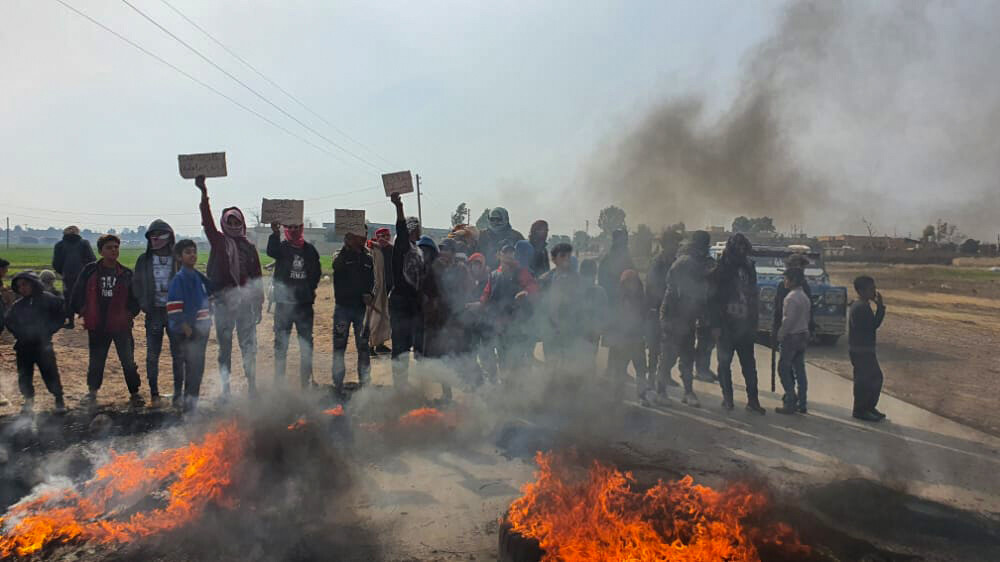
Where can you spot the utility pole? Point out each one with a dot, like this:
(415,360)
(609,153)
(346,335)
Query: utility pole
(587,228)
(8,233)
(420,213)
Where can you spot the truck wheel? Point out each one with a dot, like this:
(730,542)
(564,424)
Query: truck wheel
(514,547)
(829,339)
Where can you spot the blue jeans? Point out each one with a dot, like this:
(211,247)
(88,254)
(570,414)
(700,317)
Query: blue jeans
(156,326)
(345,316)
(792,369)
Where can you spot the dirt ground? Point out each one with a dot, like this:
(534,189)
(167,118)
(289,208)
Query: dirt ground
(938,345)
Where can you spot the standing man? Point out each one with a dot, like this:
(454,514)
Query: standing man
(103,296)
(861,338)
(685,304)
(561,303)
(505,303)
(4,264)
(538,236)
(793,337)
(405,315)
(353,281)
(154,270)
(499,234)
(235,274)
(379,330)
(296,276)
(615,261)
(70,256)
(735,313)
(656,286)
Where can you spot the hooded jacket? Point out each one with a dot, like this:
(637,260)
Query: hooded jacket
(121,310)
(735,293)
(143,284)
(70,256)
(33,320)
(612,265)
(494,238)
(688,292)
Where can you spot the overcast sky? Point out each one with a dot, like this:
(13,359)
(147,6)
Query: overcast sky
(491,103)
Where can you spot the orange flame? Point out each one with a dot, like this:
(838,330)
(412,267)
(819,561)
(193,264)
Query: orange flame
(336,412)
(601,517)
(199,474)
(299,424)
(423,417)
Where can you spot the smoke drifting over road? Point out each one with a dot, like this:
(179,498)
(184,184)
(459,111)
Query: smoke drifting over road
(887,111)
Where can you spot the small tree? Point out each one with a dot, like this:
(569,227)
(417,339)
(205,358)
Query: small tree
(581,241)
(611,219)
(483,222)
(969,247)
(458,217)
(741,224)
(929,234)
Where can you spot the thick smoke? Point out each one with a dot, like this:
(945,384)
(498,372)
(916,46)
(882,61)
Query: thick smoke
(886,111)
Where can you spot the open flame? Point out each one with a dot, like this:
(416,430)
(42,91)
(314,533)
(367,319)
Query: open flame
(298,424)
(335,412)
(198,474)
(424,417)
(600,517)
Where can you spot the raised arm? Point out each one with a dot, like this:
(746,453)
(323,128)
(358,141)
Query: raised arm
(207,222)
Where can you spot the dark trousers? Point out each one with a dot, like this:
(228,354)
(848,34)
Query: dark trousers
(99,344)
(191,367)
(68,284)
(680,344)
(703,349)
(156,327)
(345,316)
(867,381)
(407,323)
(300,316)
(654,337)
(619,356)
(792,369)
(743,345)
(242,318)
(41,354)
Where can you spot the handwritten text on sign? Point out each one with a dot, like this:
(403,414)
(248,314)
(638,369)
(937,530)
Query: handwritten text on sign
(349,221)
(283,211)
(398,182)
(210,165)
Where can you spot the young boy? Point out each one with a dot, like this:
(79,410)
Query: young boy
(793,336)
(296,276)
(154,269)
(353,282)
(190,320)
(861,339)
(103,296)
(32,320)
(504,301)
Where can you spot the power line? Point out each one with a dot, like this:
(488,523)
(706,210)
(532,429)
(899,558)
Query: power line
(275,84)
(195,80)
(248,88)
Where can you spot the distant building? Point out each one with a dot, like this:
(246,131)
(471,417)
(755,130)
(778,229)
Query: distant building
(849,242)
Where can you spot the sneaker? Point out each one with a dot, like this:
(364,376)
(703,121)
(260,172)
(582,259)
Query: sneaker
(756,408)
(89,401)
(661,399)
(867,416)
(135,400)
(727,404)
(155,401)
(878,413)
(382,349)
(786,410)
(803,409)
(646,398)
(176,402)
(373,351)
(691,400)
(706,376)
(28,407)
(60,407)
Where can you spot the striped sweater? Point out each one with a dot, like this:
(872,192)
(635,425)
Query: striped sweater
(189,301)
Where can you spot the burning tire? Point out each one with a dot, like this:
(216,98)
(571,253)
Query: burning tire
(514,547)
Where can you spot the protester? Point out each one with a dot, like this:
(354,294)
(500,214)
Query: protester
(656,286)
(70,256)
(429,250)
(296,276)
(561,300)
(190,322)
(353,282)
(466,238)
(4,264)
(593,312)
(736,313)
(154,269)
(793,338)
(505,306)
(499,234)
(685,307)
(408,272)
(235,273)
(863,325)
(794,261)
(624,338)
(379,329)
(32,320)
(48,279)
(482,333)
(103,296)
(525,254)
(447,289)
(538,236)
(615,261)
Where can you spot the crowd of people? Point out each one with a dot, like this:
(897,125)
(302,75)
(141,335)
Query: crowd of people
(479,301)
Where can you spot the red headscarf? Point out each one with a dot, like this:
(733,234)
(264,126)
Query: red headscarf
(294,235)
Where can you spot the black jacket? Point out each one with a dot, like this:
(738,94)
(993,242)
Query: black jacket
(735,297)
(33,320)
(540,264)
(688,292)
(863,325)
(656,279)
(402,290)
(71,255)
(143,285)
(353,277)
(294,282)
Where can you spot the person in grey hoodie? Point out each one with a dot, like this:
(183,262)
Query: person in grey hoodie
(151,278)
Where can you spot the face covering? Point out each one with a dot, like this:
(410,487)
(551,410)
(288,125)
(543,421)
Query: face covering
(294,236)
(159,242)
(382,237)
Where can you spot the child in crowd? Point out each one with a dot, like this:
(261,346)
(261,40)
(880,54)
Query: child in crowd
(793,337)
(32,319)
(505,306)
(48,279)
(189,319)
(863,324)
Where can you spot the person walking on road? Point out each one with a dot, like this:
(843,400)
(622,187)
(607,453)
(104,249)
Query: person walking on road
(863,324)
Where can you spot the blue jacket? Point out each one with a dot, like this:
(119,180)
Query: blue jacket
(189,300)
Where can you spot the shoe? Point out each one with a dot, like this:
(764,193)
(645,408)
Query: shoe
(155,401)
(372,351)
(878,413)
(727,404)
(90,401)
(382,349)
(672,382)
(803,410)
(136,400)
(176,402)
(60,407)
(691,400)
(28,407)
(867,416)
(648,398)
(786,410)
(706,376)
(756,408)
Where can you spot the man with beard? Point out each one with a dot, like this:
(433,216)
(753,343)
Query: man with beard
(154,270)
(296,276)
(735,313)
(615,261)
(499,234)
(685,303)
(71,255)
(656,286)
(538,236)
(380,247)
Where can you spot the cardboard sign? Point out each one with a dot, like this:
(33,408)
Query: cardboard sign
(210,165)
(283,211)
(397,182)
(349,221)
